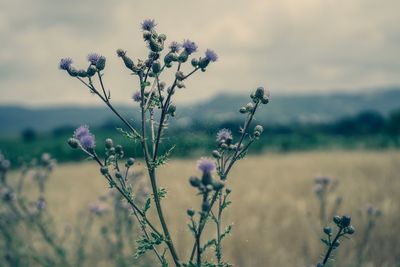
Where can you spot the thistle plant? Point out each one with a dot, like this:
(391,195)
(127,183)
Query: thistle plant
(155,98)
(332,240)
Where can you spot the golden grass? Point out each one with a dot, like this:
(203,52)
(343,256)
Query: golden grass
(273,204)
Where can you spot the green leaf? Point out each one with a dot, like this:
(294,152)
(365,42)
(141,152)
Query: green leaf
(147,206)
(133,136)
(161,160)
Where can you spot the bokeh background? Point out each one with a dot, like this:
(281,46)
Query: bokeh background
(332,68)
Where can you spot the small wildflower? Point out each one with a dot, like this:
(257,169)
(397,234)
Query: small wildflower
(65,63)
(206,165)
(93,58)
(223,135)
(121,52)
(137,97)
(175,47)
(81,131)
(88,142)
(189,46)
(211,55)
(148,24)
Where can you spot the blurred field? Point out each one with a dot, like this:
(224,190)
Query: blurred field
(274,208)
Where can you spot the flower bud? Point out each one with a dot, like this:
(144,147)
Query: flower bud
(101,63)
(162,37)
(203,63)
(218,185)
(118,175)
(171,110)
(349,230)
(91,71)
(119,149)
(265,100)
(155,46)
(109,143)
(249,106)
(179,75)
(72,72)
(216,154)
(190,212)
(328,230)
(258,130)
(130,161)
(243,110)
(346,221)
(73,143)
(259,92)
(195,62)
(104,170)
(337,219)
(147,35)
(183,56)
(194,181)
(180,84)
(228,191)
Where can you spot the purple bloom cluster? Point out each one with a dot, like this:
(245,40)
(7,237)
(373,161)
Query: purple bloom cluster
(175,47)
(86,139)
(189,46)
(206,165)
(137,97)
(223,135)
(211,55)
(148,24)
(65,63)
(93,58)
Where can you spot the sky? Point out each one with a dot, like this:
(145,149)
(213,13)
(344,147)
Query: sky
(295,46)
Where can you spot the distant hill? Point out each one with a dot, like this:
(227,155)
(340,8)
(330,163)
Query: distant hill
(281,109)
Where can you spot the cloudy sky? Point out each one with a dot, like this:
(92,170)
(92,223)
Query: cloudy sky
(288,46)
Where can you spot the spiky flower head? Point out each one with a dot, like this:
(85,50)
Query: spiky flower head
(148,24)
(223,135)
(206,165)
(189,46)
(65,63)
(81,131)
(137,96)
(211,55)
(175,47)
(88,141)
(121,52)
(93,58)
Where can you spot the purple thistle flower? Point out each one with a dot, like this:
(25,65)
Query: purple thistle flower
(93,58)
(137,96)
(175,47)
(223,135)
(206,165)
(88,142)
(189,46)
(81,131)
(211,55)
(148,24)
(65,63)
